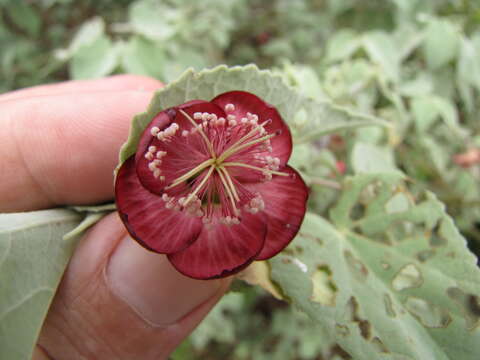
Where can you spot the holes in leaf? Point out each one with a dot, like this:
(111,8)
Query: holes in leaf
(469,304)
(338,352)
(380,237)
(425,255)
(385,265)
(429,315)
(342,330)
(357,212)
(408,277)
(436,237)
(401,230)
(379,345)
(387,300)
(353,314)
(356,267)
(398,203)
(298,249)
(324,289)
(311,237)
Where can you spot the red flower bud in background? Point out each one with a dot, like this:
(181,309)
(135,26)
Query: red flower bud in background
(210,186)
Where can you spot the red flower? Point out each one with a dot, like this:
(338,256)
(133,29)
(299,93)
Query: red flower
(209,185)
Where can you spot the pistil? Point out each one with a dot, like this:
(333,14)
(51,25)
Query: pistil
(198,188)
(191,173)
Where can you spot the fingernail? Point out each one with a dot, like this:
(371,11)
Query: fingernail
(152,287)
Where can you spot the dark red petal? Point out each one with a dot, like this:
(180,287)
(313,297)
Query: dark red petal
(247,102)
(146,218)
(222,250)
(182,154)
(285,201)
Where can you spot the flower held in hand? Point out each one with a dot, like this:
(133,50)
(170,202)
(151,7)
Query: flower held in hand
(209,185)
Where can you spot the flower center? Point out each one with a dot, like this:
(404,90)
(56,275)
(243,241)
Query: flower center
(239,152)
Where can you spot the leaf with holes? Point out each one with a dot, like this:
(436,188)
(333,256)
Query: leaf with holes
(386,276)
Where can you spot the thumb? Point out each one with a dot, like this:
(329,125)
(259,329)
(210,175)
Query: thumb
(120,301)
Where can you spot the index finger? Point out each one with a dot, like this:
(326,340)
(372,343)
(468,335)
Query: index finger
(62,149)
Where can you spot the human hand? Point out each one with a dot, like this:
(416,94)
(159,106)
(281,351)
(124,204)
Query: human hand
(59,145)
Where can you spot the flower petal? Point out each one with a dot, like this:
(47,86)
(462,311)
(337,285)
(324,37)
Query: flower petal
(222,250)
(285,201)
(247,102)
(146,218)
(183,153)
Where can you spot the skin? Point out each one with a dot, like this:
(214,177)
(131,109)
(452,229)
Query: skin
(59,145)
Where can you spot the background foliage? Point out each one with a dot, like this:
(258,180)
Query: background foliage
(413,63)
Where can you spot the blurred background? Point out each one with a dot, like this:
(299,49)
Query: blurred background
(415,63)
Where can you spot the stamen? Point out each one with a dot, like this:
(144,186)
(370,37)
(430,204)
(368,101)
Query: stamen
(199,128)
(263,170)
(229,107)
(233,149)
(191,173)
(229,191)
(230,182)
(197,189)
(250,133)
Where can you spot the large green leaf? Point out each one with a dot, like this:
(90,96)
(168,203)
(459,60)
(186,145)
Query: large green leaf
(323,117)
(144,57)
(32,259)
(34,250)
(387,277)
(94,60)
(441,43)
(152,19)
(382,50)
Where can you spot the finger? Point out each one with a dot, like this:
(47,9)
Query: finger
(120,301)
(62,149)
(112,83)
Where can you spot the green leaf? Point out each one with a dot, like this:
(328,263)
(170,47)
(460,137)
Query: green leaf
(387,277)
(216,325)
(323,117)
(381,49)
(25,17)
(468,71)
(94,60)
(370,158)
(427,109)
(87,34)
(305,79)
(151,19)
(180,60)
(144,57)
(342,45)
(33,256)
(441,43)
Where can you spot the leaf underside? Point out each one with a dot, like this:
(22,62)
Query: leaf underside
(323,116)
